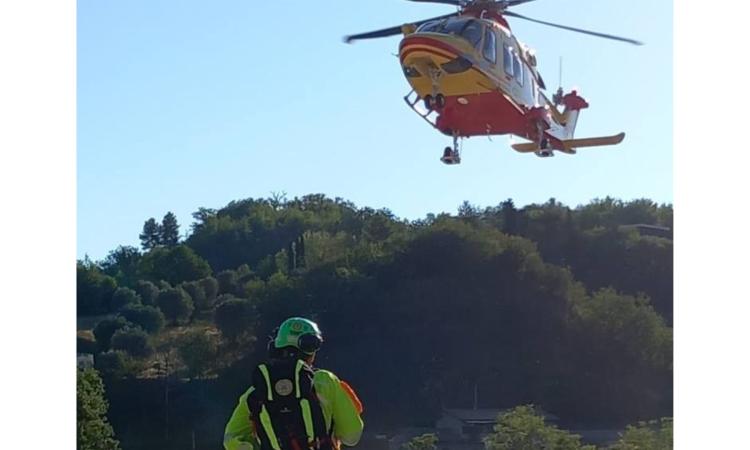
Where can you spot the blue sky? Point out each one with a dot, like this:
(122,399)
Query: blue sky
(192,103)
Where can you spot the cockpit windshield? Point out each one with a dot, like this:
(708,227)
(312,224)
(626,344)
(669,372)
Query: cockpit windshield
(469,29)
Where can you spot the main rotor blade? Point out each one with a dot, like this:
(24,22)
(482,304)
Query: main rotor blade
(516,2)
(392,31)
(445,2)
(577,30)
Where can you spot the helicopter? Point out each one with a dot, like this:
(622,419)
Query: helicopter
(470,76)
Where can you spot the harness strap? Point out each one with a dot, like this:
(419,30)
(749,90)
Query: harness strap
(265,420)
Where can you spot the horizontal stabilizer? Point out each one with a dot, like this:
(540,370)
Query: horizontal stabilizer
(593,142)
(571,144)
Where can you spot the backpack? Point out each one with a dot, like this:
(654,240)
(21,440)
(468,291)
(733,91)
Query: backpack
(285,409)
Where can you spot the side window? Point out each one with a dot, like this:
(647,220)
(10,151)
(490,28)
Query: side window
(508,60)
(490,46)
(517,70)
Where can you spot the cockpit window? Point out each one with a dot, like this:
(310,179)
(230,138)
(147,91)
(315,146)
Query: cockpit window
(472,32)
(430,26)
(469,29)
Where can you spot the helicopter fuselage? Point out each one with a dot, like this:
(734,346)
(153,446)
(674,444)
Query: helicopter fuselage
(487,79)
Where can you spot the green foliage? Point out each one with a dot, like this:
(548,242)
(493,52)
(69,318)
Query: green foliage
(211,290)
(195,290)
(234,317)
(122,265)
(227,280)
(93,431)
(150,318)
(124,297)
(151,235)
(427,441)
(169,231)
(104,330)
(93,289)
(148,292)
(112,364)
(653,435)
(566,307)
(198,350)
(173,264)
(627,363)
(523,429)
(176,305)
(132,340)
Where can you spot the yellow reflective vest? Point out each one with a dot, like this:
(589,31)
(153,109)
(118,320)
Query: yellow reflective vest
(339,402)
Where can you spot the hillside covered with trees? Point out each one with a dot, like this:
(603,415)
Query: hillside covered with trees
(569,309)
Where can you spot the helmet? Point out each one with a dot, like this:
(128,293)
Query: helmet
(300,333)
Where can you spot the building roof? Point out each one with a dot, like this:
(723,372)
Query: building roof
(484,416)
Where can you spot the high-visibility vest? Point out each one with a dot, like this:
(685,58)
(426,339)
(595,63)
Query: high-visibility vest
(285,408)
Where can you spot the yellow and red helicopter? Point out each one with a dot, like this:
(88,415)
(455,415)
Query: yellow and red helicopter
(470,76)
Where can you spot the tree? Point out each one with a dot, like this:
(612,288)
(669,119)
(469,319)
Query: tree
(197,294)
(111,364)
(176,304)
(234,317)
(426,441)
(653,435)
(93,289)
(523,429)
(198,350)
(227,280)
(150,318)
(169,232)
(104,330)
(93,430)
(148,292)
(132,340)
(151,235)
(174,264)
(211,288)
(124,297)
(122,264)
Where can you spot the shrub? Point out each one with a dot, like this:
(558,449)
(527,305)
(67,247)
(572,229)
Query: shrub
(653,435)
(523,428)
(133,340)
(211,289)
(123,297)
(198,349)
(196,293)
(426,441)
(104,330)
(150,318)
(148,292)
(111,364)
(234,317)
(176,304)
(227,280)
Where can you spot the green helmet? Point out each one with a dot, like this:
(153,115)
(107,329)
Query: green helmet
(300,333)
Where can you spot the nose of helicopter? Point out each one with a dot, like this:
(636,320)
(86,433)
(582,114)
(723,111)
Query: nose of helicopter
(428,45)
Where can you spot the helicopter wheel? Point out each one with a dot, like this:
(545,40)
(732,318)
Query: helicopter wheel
(440,101)
(429,102)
